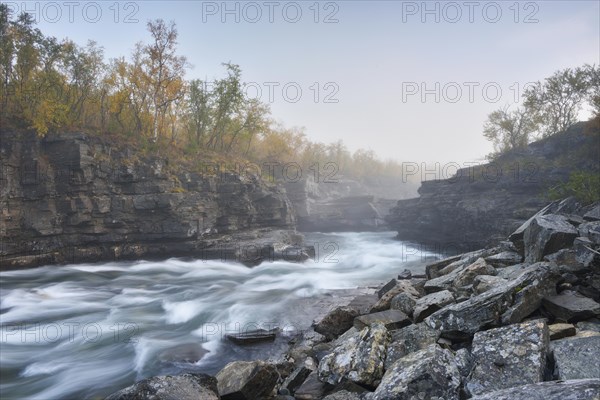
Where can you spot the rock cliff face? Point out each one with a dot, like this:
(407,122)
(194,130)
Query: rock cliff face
(482,204)
(72,198)
(343,205)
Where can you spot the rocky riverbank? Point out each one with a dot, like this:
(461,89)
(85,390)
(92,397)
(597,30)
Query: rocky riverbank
(519,320)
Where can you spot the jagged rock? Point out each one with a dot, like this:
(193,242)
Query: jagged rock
(427,374)
(246,380)
(590,325)
(181,387)
(505,304)
(577,358)
(427,305)
(467,275)
(510,356)
(585,251)
(391,319)
(336,322)
(547,234)
(432,270)
(581,389)
(504,259)
(404,302)
(409,340)
(386,288)
(464,362)
(512,272)
(571,306)
(359,358)
(559,331)
(483,283)
(343,395)
(296,378)
(406,274)
(312,388)
(593,214)
(590,230)
(568,205)
(402,286)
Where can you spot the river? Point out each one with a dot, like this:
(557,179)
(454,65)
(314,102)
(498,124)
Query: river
(84,331)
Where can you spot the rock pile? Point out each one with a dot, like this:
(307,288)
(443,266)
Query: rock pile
(517,321)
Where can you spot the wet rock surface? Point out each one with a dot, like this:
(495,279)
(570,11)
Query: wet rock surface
(586,389)
(181,387)
(246,380)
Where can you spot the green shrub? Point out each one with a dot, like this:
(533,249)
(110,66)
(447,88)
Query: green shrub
(585,186)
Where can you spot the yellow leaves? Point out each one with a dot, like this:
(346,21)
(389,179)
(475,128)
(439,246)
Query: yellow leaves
(48,115)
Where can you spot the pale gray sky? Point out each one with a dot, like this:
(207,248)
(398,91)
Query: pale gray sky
(412,81)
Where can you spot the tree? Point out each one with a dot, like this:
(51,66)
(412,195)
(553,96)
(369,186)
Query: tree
(198,107)
(164,70)
(509,129)
(555,103)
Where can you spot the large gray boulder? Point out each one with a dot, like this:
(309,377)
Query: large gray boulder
(336,322)
(391,319)
(510,356)
(409,340)
(404,302)
(427,374)
(360,358)
(427,305)
(581,389)
(483,283)
(571,306)
(246,380)
(180,387)
(546,235)
(501,305)
(403,286)
(577,357)
(466,276)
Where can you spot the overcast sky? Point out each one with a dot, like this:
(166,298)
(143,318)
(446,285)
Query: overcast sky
(412,81)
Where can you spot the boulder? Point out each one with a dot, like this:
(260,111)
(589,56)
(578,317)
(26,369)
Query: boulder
(546,235)
(577,358)
(432,270)
(467,275)
(391,319)
(296,378)
(404,302)
(403,286)
(427,305)
(593,214)
(581,389)
(181,387)
(409,340)
(571,306)
(360,358)
(568,205)
(464,362)
(336,322)
(509,356)
(590,325)
(585,251)
(343,395)
(559,331)
(590,230)
(501,305)
(483,283)
(386,288)
(406,274)
(427,374)
(246,380)
(504,259)
(312,388)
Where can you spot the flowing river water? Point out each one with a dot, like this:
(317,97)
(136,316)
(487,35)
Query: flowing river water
(84,331)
